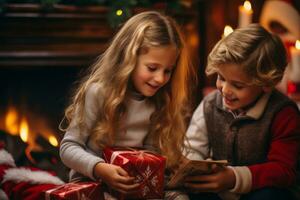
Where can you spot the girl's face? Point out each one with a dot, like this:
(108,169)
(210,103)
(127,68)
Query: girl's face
(154,69)
(235,87)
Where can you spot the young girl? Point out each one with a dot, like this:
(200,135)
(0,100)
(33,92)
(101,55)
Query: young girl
(135,96)
(246,121)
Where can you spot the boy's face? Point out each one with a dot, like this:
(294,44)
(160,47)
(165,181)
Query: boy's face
(236,87)
(154,69)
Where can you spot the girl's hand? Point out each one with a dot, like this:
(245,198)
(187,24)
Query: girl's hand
(115,177)
(221,179)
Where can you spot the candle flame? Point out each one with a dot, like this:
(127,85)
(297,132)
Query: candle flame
(53,141)
(24,129)
(297,44)
(227,30)
(247,5)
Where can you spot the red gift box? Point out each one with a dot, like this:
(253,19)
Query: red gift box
(147,168)
(76,191)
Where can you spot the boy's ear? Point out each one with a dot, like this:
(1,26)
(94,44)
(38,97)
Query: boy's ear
(267,89)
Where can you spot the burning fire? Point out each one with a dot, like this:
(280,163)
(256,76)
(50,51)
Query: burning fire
(15,126)
(52,140)
(11,121)
(24,129)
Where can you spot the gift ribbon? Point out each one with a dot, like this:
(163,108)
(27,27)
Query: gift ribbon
(139,153)
(68,187)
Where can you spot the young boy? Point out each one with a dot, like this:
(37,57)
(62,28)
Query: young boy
(246,121)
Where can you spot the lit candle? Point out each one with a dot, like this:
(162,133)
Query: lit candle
(245,14)
(295,62)
(227,30)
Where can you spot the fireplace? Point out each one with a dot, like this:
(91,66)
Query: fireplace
(42,55)
(36,97)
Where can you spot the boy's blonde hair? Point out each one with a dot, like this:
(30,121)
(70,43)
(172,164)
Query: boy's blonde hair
(260,54)
(113,70)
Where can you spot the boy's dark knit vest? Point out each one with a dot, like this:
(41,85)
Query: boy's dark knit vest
(243,140)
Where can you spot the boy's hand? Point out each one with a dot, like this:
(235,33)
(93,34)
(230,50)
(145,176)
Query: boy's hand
(221,179)
(115,177)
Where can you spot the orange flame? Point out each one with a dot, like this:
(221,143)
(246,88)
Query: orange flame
(12,121)
(53,141)
(24,130)
(18,124)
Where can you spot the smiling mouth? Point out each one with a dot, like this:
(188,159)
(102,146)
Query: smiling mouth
(229,100)
(152,86)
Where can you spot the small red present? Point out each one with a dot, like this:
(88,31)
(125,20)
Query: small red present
(147,168)
(76,191)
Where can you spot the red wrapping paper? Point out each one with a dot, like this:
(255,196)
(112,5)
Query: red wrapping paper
(76,191)
(147,168)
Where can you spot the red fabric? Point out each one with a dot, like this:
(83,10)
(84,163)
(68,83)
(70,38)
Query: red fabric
(22,190)
(2,145)
(148,169)
(25,190)
(280,168)
(76,191)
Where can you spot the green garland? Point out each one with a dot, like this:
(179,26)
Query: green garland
(119,10)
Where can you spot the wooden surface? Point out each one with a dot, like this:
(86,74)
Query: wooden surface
(63,36)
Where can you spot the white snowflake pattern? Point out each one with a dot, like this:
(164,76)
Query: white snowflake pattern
(146,190)
(84,197)
(138,179)
(154,180)
(147,172)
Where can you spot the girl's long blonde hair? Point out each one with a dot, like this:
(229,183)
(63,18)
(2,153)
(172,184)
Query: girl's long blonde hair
(113,70)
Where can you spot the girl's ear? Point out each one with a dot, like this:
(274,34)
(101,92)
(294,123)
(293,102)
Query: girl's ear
(267,89)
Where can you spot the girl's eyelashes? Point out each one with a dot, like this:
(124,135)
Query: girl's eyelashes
(151,68)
